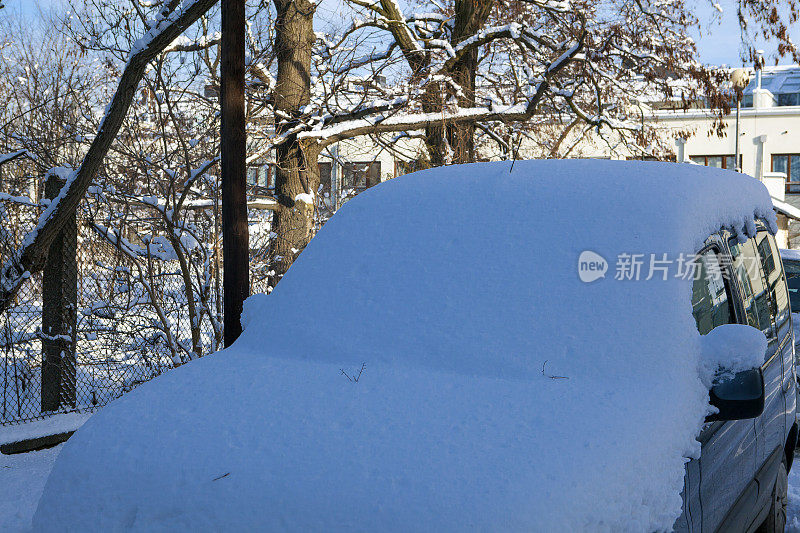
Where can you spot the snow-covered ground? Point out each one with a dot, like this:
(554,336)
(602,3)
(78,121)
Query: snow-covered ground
(793,518)
(22,479)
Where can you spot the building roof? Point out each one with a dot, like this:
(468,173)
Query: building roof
(786,209)
(777,80)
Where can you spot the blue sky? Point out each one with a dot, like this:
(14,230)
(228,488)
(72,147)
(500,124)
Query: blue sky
(721,41)
(719,44)
(28,7)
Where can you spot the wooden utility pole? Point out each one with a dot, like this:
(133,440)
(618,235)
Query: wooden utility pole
(59,311)
(235,237)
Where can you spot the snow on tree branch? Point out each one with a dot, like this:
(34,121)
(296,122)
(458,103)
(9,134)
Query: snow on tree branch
(6,158)
(378,120)
(184,44)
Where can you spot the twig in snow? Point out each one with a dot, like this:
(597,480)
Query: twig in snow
(549,375)
(355,378)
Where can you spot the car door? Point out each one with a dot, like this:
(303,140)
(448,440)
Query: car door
(723,474)
(780,290)
(775,279)
(751,260)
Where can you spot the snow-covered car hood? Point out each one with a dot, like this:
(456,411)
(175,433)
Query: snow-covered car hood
(497,391)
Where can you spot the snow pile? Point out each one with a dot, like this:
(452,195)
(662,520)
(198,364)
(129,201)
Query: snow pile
(433,362)
(729,349)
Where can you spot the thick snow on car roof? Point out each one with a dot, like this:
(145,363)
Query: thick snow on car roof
(433,361)
(790,255)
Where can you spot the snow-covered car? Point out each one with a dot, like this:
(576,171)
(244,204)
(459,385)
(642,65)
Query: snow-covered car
(502,347)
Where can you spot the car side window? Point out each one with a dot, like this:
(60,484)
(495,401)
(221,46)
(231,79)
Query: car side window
(710,304)
(758,306)
(776,282)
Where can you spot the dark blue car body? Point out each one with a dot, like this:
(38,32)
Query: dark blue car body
(739,482)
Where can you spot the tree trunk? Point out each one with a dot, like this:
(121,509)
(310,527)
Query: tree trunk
(455,143)
(436,141)
(296,171)
(471,15)
(59,312)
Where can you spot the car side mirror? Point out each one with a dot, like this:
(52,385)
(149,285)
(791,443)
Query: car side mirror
(739,397)
(732,355)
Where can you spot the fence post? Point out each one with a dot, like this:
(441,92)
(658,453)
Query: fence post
(59,311)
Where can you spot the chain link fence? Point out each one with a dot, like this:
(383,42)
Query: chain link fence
(131,308)
(133,291)
(116,346)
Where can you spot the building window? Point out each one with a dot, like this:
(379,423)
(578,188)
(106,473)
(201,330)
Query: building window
(361,174)
(268,172)
(789,164)
(261,176)
(716,161)
(789,99)
(668,158)
(252,175)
